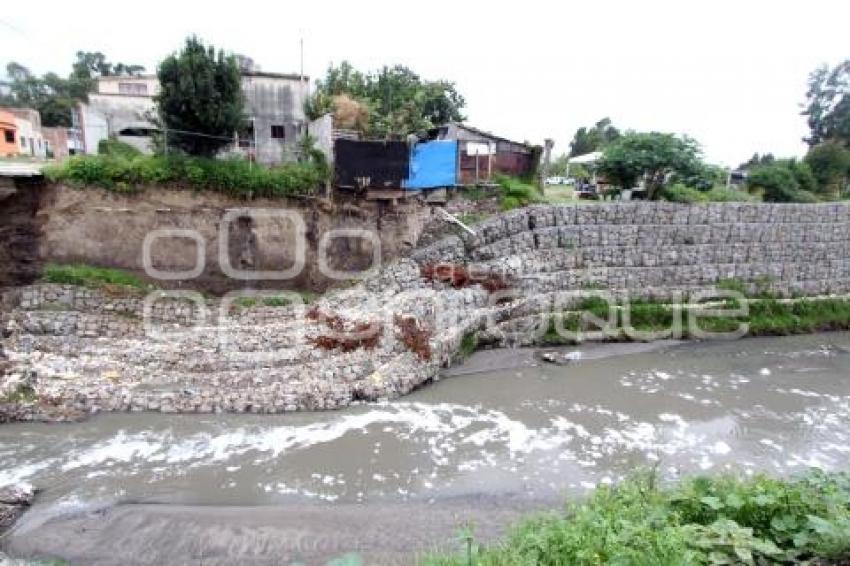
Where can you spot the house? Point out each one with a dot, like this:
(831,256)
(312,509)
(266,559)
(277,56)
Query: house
(27,132)
(122,107)
(274,112)
(8,134)
(482,154)
(62,142)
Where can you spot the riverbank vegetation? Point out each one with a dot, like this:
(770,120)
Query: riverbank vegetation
(126,173)
(91,276)
(704,520)
(766,315)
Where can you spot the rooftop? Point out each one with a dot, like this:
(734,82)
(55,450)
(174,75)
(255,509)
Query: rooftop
(485,133)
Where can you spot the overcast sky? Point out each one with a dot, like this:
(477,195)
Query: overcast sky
(732,74)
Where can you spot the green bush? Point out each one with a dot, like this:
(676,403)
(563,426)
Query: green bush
(830,164)
(516,193)
(235,177)
(721,194)
(783,181)
(116,148)
(722,520)
(681,193)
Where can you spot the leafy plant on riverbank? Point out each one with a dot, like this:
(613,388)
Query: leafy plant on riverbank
(91,276)
(233,177)
(723,520)
(468,345)
(23,393)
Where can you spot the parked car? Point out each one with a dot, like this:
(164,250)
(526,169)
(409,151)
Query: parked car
(556,181)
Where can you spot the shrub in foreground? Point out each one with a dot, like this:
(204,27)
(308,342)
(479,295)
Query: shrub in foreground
(722,520)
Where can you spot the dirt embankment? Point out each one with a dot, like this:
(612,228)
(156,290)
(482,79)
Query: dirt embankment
(346,236)
(20,231)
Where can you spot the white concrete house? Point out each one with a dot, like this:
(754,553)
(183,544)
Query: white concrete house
(274,114)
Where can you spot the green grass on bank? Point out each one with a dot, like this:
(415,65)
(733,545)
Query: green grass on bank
(722,520)
(767,316)
(559,194)
(91,276)
(274,300)
(125,172)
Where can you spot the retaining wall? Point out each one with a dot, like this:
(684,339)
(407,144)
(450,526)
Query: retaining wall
(793,248)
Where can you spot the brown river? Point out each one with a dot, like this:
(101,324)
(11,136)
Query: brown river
(497,437)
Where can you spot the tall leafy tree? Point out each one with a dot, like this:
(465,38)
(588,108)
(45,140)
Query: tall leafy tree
(200,103)
(652,156)
(399,101)
(827,106)
(830,165)
(51,95)
(588,140)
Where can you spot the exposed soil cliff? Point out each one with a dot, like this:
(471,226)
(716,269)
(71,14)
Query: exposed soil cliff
(20,231)
(338,237)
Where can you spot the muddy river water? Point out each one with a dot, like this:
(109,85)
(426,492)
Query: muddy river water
(385,483)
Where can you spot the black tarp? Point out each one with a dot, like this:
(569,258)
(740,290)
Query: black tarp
(386,164)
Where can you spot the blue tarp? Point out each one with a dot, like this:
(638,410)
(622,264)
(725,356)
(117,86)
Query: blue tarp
(433,164)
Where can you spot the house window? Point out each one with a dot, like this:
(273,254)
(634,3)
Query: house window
(133,88)
(278,132)
(9,135)
(23,142)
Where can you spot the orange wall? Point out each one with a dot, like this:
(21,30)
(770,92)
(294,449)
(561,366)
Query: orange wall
(7,122)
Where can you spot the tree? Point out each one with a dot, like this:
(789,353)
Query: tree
(830,165)
(55,97)
(50,95)
(585,140)
(200,103)
(395,100)
(785,180)
(756,160)
(653,156)
(827,105)
(703,177)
